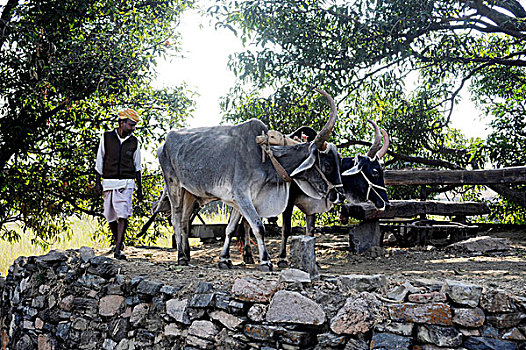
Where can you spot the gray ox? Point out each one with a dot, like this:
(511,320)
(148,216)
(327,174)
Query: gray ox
(363,181)
(224,163)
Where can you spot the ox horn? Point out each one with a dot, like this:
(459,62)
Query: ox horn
(377,143)
(323,135)
(383,150)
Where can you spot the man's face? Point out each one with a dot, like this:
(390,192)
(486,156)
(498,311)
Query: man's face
(128,126)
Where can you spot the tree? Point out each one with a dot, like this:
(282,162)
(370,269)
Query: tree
(67,66)
(369,54)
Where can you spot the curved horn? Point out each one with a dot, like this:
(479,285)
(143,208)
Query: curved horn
(377,143)
(383,150)
(323,135)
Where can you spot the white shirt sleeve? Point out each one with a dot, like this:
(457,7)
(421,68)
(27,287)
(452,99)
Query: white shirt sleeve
(137,157)
(100,156)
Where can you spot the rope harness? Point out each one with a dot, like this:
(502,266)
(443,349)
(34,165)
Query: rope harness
(373,187)
(330,185)
(265,142)
(275,138)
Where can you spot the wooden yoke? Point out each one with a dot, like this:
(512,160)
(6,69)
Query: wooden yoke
(274,138)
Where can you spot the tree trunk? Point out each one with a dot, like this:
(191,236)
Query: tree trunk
(5,19)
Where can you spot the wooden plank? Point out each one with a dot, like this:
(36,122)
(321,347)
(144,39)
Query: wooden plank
(409,208)
(455,177)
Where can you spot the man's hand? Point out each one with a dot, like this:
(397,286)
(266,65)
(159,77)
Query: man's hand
(140,195)
(98,185)
(139,186)
(98,189)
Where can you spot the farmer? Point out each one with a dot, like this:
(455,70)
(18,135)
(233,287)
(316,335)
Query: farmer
(119,164)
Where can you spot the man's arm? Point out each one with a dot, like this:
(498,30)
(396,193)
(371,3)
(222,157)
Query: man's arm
(98,167)
(98,184)
(139,185)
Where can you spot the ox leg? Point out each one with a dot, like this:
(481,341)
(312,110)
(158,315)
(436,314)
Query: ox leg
(310,226)
(252,217)
(286,231)
(248,258)
(224,258)
(285,234)
(189,207)
(182,204)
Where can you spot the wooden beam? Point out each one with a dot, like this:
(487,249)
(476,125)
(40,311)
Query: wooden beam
(455,177)
(412,208)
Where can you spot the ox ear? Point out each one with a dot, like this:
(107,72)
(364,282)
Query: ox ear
(308,189)
(355,169)
(307,163)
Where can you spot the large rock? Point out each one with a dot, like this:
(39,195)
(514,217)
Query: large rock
(497,301)
(229,321)
(434,313)
(463,293)
(399,328)
(365,236)
(262,332)
(294,276)
(424,298)
(388,341)
(482,244)
(149,287)
(103,266)
(139,314)
(505,320)
(203,329)
(470,318)
(363,283)
(110,305)
(253,290)
(177,309)
(439,336)
(292,307)
(54,256)
(486,343)
(302,255)
(86,253)
(359,315)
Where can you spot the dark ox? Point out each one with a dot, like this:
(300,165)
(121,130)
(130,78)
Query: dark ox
(224,163)
(363,181)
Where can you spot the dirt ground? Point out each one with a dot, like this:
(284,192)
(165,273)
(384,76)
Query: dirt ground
(504,270)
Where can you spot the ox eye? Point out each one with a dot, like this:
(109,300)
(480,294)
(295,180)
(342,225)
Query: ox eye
(375,172)
(327,167)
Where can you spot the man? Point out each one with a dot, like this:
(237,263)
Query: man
(119,164)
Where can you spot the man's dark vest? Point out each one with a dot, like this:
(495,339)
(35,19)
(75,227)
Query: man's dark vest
(118,157)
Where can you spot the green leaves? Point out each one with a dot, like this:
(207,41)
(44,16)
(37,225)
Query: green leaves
(68,67)
(401,63)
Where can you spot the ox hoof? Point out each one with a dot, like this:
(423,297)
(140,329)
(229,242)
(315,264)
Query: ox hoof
(267,267)
(283,264)
(225,265)
(182,262)
(248,260)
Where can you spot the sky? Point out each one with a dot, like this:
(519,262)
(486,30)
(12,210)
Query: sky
(203,66)
(204,69)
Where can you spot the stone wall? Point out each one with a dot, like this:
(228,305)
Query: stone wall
(75,300)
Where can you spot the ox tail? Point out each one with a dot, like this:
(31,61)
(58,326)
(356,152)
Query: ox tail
(147,225)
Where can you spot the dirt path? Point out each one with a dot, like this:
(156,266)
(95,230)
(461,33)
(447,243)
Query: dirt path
(505,270)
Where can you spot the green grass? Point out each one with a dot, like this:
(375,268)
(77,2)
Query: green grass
(82,236)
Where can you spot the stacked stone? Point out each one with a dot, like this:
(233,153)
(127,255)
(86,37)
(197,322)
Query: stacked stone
(75,300)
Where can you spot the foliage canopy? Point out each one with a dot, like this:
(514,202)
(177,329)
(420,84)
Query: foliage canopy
(66,67)
(401,62)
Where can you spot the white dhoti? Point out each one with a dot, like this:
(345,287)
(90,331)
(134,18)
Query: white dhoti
(118,204)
